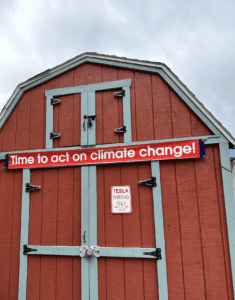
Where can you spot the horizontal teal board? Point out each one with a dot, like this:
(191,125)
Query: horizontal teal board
(55,250)
(126,252)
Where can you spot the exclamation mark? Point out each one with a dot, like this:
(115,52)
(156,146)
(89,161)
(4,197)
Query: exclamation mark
(193,147)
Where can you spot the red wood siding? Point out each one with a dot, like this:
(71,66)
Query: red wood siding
(55,219)
(126,278)
(157,111)
(196,238)
(10,221)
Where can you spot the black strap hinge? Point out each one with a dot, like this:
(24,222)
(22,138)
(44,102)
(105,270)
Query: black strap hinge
(121,129)
(119,94)
(156,253)
(54,135)
(90,119)
(30,188)
(152,182)
(26,249)
(55,101)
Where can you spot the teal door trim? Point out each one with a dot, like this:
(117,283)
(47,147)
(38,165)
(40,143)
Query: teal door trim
(88,133)
(229,202)
(24,236)
(159,232)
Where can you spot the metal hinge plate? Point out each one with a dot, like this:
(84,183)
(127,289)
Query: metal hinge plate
(156,253)
(121,129)
(30,188)
(86,251)
(26,249)
(119,94)
(55,101)
(90,119)
(152,182)
(54,135)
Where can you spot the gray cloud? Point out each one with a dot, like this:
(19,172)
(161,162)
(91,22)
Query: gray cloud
(196,40)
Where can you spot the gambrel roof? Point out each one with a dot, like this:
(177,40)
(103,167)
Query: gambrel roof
(123,62)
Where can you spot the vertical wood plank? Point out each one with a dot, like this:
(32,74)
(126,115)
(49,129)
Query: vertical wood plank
(134,285)
(223,221)
(15,235)
(126,74)
(115,279)
(22,122)
(87,74)
(150,279)
(36,122)
(49,233)
(144,106)
(212,244)
(198,127)
(146,207)
(6,210)
(77,119)
(161,108)
(100,207)
(9,133)
(35,228)
(175,277)
(180,116)
(190,231)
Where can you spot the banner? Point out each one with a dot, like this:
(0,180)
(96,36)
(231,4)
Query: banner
(104,155)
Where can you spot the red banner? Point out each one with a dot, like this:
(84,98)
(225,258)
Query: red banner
(118,154)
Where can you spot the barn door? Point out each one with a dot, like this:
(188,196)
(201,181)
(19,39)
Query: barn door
(76,248)
(88,115)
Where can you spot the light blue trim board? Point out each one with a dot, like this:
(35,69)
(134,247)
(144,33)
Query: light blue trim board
(126,252)
(55,250)
(85,268)
(49,122)
(24,236)
(84,126)
(93,265)
(210,139)
(90,87)
(159,232)
(229,202)
(127,115)
(91,130)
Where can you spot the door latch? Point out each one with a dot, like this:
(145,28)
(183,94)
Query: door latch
(121,129)
(90,119)
(26,249)
(86,251)
(119,94)
(30,188)
(152,182)
(55,101)
(156,253)
(54,135)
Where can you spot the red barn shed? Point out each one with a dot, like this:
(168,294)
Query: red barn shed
(115,184)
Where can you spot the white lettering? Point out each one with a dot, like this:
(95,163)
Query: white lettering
(109,154)
(14,161)
(67,156)
(62,159)
(151,150)
(119,154)
(131,153)
(30,160)
(160,149)
(44,159)
(75,157)
(187,149)
(22,160)
(54,158)
(92,156)
(142,154)
(179,152)
(168,148)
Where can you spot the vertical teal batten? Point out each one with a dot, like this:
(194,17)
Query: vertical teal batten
(127,114)
(91,139)
(24,236)
(229,202)
(84,229)
(93,263)
(84,127)
(159,232)
(49,122)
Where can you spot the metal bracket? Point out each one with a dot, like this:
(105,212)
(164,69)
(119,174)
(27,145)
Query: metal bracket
(55,101)
(90,119)
(152,182)
(86,251)
(119,94)
(26,249)
(54,135)
(121,129)
(30,188)
(156,253)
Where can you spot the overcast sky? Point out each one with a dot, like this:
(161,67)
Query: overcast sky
(196,39)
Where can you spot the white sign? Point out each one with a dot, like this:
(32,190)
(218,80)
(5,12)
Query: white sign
(121,199)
